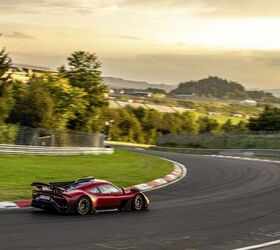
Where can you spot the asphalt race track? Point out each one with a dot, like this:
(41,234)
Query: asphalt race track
(221,204)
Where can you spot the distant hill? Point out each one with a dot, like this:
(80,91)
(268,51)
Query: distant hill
(220,88)
(275,92)
(119,83)
(212,87)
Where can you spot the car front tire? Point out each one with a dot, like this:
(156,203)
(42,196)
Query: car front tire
(138,202)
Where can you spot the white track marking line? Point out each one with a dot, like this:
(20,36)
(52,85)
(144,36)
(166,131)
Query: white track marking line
(242,158)
(272,243)
(230,157)
(267,244)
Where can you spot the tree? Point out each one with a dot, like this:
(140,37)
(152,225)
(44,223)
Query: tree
(228,126)
(171,124)
(261,95)
(212,87)
(63,100)
(83,72)
(189,124)
(34,106)
(125,127)
(68,100)
(151,124)
(5,64)
(156,91)
(207,125)
(269,120)
(6,98)
(241,127)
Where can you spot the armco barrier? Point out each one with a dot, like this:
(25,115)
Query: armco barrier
(43,150)
(274,153)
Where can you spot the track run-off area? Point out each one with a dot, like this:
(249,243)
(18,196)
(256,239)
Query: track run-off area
(221,204)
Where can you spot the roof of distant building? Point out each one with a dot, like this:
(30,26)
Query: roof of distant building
(33,67)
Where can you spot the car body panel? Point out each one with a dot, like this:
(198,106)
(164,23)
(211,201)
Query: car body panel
(63,197)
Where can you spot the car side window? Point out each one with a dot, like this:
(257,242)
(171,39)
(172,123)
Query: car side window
(108,189)
(94,190)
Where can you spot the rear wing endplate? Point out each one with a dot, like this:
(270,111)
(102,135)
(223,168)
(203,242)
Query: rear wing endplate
(46,187)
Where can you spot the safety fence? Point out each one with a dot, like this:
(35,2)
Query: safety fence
(17,135)
(248,140)
(39,141)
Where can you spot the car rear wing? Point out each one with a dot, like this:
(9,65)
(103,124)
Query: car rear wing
(59,187)
(47,187)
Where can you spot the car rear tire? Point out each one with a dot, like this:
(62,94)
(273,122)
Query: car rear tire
(138,202)
(83,205)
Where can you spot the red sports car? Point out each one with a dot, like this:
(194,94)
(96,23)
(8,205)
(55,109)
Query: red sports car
(87,195)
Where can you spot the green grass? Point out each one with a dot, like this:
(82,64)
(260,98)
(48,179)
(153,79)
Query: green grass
(221,119)
(122,168)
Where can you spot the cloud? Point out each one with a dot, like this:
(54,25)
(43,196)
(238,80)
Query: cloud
(18,35)
(251,68)
(274,61)
(206,8)
(214,8)
(267,58)
(46,6)
(157,3)
(127,37)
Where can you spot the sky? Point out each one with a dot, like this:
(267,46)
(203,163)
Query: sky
(158,41)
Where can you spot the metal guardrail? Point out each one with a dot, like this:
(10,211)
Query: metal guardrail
(44,150)
(273,153)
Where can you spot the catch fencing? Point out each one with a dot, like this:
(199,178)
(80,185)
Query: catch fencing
(249,140)
(16,135)
(39,141)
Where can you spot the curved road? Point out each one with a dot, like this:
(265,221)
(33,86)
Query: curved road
(221,204)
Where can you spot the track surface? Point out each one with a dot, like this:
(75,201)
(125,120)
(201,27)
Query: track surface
(221,204)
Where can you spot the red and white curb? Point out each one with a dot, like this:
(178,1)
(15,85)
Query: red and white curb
(15,204)
(178,173)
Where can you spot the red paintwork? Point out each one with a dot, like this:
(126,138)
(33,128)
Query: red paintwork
(100,201)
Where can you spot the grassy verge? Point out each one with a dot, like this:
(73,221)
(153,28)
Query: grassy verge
(122,168)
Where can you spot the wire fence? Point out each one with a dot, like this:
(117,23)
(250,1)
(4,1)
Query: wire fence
(253,140)
(17,135)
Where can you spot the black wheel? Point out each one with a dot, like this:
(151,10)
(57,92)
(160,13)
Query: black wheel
(138,202)
(83,205)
